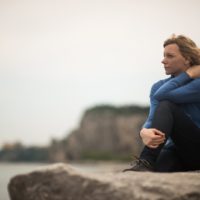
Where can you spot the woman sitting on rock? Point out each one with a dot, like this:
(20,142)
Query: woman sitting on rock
(171,133)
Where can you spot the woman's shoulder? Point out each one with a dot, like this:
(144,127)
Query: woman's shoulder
(159,83)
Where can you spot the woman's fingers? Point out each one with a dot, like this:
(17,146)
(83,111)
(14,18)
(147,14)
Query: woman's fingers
(153,146)
(152,137)
(158,140)
(157,132)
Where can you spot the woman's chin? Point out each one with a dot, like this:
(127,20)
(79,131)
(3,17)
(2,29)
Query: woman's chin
(168,73)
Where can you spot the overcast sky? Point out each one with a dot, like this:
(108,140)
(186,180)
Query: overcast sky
(60,57)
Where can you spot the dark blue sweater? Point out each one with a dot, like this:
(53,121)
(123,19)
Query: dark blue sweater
(182,90)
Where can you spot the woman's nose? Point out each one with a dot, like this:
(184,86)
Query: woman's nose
(163,61)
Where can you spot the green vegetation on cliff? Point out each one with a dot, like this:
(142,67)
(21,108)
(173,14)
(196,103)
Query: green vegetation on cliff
(122,110)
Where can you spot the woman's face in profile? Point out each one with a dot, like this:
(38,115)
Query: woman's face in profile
(174,62)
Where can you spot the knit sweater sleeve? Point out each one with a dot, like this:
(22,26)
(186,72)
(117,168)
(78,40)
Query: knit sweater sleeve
(180,89)
(153,104)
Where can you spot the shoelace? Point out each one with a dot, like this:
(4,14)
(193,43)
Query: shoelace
(139,161)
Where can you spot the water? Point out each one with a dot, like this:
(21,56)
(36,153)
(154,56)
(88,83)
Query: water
(8,170)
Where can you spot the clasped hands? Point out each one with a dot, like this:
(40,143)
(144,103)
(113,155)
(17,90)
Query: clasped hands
(152,137)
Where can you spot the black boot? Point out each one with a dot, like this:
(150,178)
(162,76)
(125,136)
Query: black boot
(140,165)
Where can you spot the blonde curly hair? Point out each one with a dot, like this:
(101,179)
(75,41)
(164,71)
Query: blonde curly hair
(187,47)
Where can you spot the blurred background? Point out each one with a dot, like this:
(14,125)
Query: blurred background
(75,75)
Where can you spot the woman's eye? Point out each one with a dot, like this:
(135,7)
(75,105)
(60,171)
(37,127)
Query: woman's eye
(170,56)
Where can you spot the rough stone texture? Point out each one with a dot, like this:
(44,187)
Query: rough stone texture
(62,182)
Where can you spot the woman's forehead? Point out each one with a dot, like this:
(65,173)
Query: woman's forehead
(171,48)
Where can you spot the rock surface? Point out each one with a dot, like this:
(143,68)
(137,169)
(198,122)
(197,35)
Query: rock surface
(62,182)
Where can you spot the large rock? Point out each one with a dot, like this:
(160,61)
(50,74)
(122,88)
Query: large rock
(62,182)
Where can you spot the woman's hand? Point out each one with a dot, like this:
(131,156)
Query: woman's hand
(194,71)
(152,137)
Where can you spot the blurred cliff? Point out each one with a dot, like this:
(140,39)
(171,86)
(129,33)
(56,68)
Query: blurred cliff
(105,133)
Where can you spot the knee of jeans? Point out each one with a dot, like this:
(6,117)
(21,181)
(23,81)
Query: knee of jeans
(166,104)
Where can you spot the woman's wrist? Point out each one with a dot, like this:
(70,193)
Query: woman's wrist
(142,130)
(189,73)
(193,71)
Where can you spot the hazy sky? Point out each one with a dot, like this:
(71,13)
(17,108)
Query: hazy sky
(59,57)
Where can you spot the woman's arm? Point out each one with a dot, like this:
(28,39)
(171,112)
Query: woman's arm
(189,93)
(184,88)
(152,137)
(153,104)
(194,71)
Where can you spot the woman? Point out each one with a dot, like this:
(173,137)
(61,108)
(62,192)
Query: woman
(171,133)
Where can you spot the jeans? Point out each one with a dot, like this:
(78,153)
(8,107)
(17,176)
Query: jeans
(184,155)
